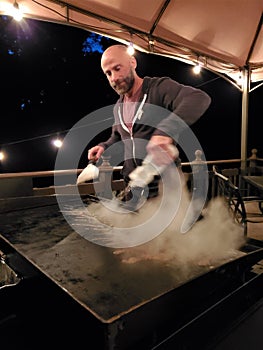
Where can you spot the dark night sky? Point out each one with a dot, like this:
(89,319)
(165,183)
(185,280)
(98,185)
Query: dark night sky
(48,83)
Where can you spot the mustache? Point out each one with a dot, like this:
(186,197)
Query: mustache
(117,83)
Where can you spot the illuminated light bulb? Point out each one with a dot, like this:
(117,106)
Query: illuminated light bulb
(2,155)
(197,69)
(16,12)
(57,143)
(130,49)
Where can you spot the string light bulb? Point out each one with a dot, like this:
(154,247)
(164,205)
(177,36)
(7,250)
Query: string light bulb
(240,78)
(17,12)
(130,49)
(57,143)
(2,156)
(197,68)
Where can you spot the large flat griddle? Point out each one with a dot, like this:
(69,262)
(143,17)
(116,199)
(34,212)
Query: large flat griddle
(130,304)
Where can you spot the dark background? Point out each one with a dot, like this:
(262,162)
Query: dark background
(51,78)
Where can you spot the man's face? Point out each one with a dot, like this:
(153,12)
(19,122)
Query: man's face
(118,67)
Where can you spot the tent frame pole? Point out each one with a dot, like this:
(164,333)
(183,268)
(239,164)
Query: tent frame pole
(244,123)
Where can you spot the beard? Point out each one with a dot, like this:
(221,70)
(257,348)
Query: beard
(122,86)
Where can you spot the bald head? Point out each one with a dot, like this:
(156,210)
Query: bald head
(116,49)
(119,67)
(113,53)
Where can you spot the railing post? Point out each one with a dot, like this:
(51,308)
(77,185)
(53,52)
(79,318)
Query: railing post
(105,177)
(200,176)
(252,162)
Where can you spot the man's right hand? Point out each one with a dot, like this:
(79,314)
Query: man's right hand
(162,150)
(95,153)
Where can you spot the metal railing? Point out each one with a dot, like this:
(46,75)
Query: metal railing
(32,184)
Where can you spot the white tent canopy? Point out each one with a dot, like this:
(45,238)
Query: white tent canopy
(225,36)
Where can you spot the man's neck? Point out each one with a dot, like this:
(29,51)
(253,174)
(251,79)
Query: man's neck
(136,86)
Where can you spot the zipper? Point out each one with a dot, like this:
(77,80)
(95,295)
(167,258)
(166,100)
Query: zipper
(133,149)
(138,115)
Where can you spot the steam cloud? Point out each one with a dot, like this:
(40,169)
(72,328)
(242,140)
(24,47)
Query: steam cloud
(213,238)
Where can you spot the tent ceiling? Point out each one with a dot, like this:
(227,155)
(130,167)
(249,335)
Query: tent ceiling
(225,36)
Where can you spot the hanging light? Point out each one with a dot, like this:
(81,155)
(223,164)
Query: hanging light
(130,49)
(240,79)
(2,156)
(197,68)
(151,45)
(16,12)
(57,142)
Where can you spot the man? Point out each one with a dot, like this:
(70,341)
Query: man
(136,119)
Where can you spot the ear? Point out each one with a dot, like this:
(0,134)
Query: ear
(133,62)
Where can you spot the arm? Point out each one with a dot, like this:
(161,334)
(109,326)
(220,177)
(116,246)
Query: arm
(186,103)
(96,152)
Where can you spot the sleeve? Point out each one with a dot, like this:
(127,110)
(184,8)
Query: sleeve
(186,103)
(115,137)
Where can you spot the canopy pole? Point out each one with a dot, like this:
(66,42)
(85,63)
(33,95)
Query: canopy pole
(244,124)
